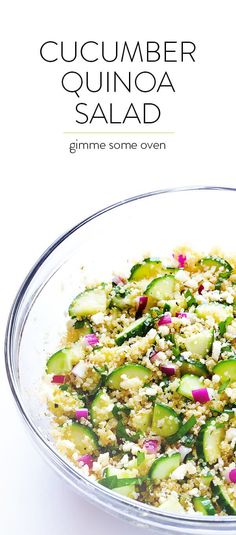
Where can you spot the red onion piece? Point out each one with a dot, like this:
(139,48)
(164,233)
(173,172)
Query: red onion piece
(151,446)
(91,339)
(141,303)
(201,395)
(181,315)
(154,356)
(117,280)
(168,369)
(200,289)
(81,413)
(182,259)
(232,475)
(59,379)
(165,320)
(86,459)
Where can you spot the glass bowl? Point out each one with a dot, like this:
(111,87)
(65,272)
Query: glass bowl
(110,240)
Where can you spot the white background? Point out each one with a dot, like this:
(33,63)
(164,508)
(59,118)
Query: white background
(46,190)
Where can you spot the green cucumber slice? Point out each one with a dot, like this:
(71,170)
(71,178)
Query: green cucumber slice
(200,343)
(129,491)
(82,328)
(101,407)
(208,441)
(207,479)
(139,327)
(60,362)
(226,369)
(183,430)
(194,367)
(88,303)
(131,371)
(113,482)
(162,287)
(204,505)
(82,436)
(148,269)
(217,311)
(171,505)
(216,261)
(225,502)
(121,297)
(164,466)
(142,420)
(165,421)
(188,383)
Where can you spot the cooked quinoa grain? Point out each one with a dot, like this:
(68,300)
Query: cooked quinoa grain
(143,393)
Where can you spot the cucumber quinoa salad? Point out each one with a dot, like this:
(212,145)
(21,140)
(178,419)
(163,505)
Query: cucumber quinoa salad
(142,395)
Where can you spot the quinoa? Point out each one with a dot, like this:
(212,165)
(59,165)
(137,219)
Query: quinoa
(142,395)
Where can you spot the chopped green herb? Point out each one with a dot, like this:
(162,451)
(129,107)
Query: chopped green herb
(121,433)
(140,457)
(223,386)
(190,299)
(118,409)
(166,308)
(224,324)
(64,387)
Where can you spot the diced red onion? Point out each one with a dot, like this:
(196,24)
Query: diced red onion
(91,339)
(118,280)
(231,475)
(182,259)
(86,459)
(201,395)
(165,319)
(59,379)
(141,303)
(81,413)
(200,289)
(183,450)
(168,369)
(152,445)
(181,315)
(154,356)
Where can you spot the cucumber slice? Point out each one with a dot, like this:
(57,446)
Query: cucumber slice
(142,420)
(200,343)
(165,421)
(88,303)
(121,297)
(148,269)
(139,327)
(188,383)
(171,505)
(162,287)
(216,261)
(82,436)
(60,362)
(128,491)
(204,505)
(207,479)
(194,367)
(101,407)
(208,441)
(164,466)
(131,371)
(226,369)
(82,327)
(217,311)
(224,500)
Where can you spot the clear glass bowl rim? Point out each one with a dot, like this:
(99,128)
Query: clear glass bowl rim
(153,518)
